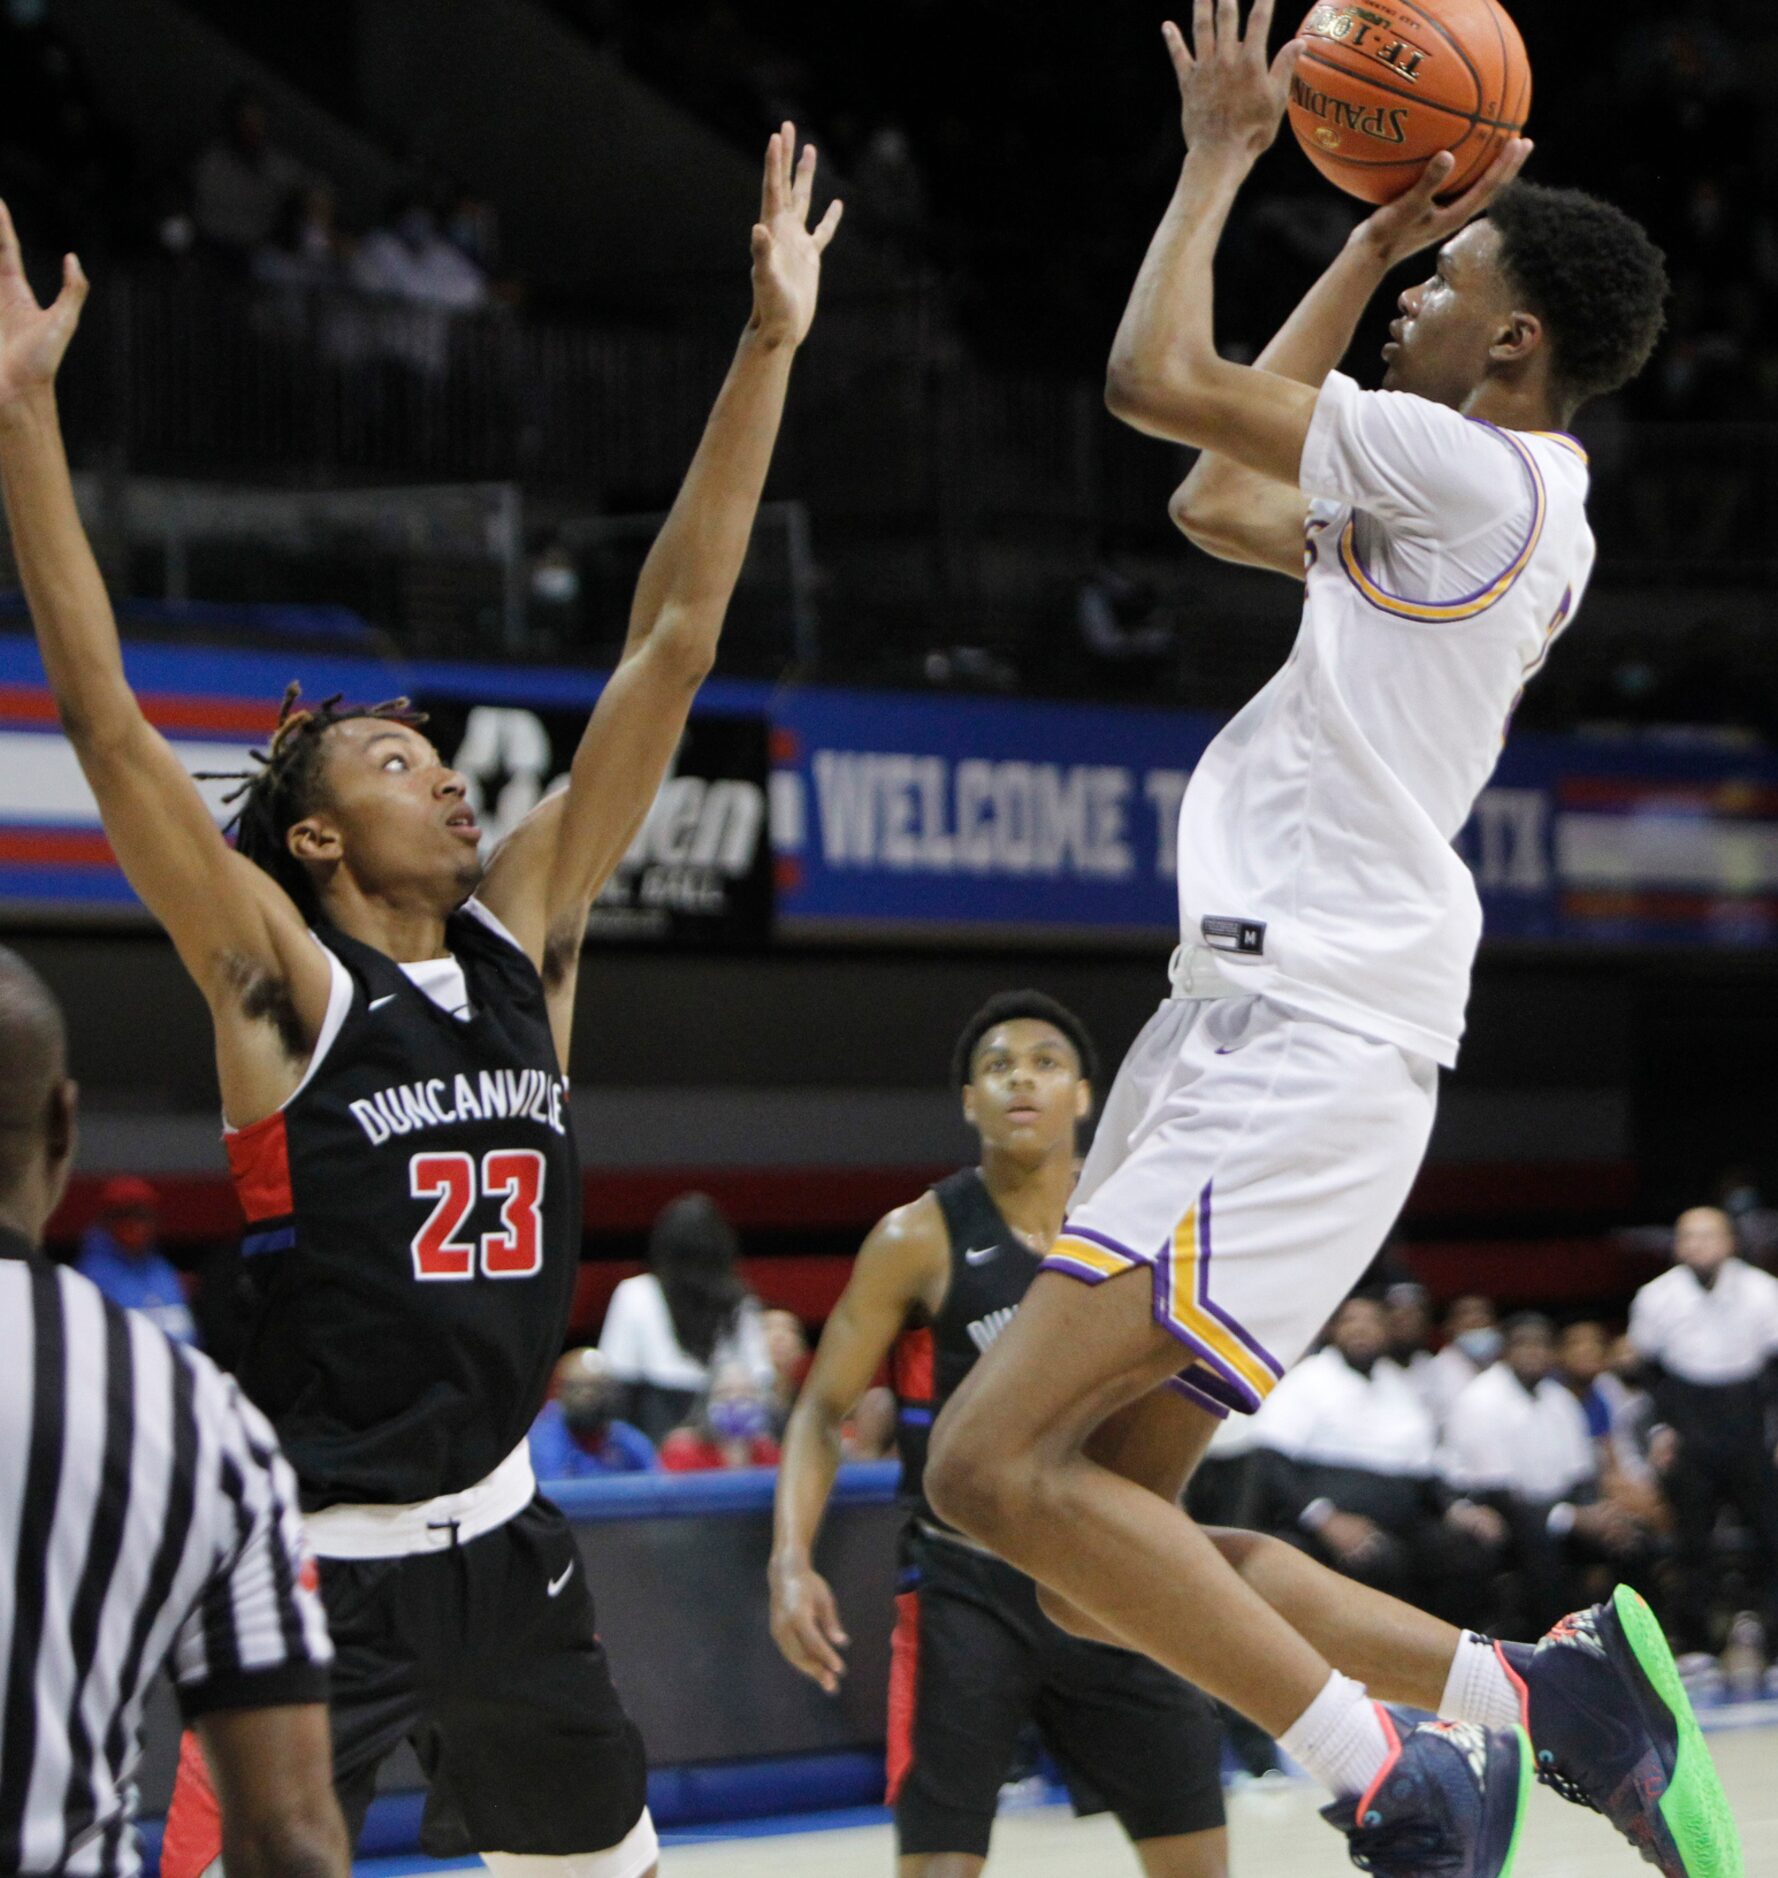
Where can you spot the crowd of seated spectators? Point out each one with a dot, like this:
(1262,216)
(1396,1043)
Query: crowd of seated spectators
(1517,1471)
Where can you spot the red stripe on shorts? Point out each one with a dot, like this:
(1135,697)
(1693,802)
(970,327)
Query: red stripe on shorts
(911,1366)
(904,1690)
(193,1841)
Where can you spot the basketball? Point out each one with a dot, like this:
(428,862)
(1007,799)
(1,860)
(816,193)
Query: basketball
(1386,84)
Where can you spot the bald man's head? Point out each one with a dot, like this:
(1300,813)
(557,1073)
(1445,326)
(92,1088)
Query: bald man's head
(1704,1239)
(36,1097)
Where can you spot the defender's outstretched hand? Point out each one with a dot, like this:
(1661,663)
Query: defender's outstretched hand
(1417,219)
(786,251)
(32,337)
(1229,97)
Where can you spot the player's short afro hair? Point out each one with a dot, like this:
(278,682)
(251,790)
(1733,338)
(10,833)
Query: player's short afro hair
(1006,1007)
(1591,273)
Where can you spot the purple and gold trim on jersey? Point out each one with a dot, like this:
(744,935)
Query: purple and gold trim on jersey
(1232,1370)
(1442,612)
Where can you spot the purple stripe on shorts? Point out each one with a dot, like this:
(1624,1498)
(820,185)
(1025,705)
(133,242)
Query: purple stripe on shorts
(1072,1231)
(1087,1274)
(1239,1331)
(1197,1397)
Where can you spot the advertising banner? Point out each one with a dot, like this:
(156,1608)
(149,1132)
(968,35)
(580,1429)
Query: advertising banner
(914,817)
(699,871)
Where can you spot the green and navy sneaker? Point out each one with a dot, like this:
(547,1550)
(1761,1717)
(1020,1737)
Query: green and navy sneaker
(1613,1729)
(1450,1799)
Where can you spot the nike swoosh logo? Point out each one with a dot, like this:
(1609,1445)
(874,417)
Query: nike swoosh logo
(980,1254)
(556,1584)
(388,997)
(1222,1049)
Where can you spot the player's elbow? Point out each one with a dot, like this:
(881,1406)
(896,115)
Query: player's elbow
(1208,521)
(682,642)
(1160,402)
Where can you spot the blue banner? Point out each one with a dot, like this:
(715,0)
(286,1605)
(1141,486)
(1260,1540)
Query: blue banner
(933,816)
(925,817)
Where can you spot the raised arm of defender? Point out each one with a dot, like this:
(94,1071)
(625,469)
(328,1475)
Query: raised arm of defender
(238,933)
(904,1264)
(545,876)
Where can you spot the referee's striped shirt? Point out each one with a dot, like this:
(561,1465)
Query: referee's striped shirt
(146,1518)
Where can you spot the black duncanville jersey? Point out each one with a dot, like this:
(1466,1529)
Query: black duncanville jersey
(413,1231)
(991,1270)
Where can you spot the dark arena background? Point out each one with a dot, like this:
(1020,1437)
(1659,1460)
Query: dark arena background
(405,319)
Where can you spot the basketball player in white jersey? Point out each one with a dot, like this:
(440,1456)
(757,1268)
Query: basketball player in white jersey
(1266,1127)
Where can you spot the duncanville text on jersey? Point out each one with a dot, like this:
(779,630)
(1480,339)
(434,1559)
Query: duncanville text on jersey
(514,1094)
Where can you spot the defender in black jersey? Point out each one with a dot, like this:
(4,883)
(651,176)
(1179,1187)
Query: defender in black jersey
(392,1019)
(974,1659)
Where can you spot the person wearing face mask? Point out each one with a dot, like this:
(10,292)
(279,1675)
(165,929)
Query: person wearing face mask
(733,1429)
(120,1255)
(1349,1474)
(576,1435)
(1707,1333)
(1472,1342)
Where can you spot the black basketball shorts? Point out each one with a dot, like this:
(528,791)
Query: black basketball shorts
(974,1661)
(487,1659)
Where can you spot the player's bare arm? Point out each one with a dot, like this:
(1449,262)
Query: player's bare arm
(903,1266)
(1240,514)
(545,876)
(239,935)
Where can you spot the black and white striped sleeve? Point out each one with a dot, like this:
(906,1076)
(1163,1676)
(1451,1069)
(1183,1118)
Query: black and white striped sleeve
(256,1637)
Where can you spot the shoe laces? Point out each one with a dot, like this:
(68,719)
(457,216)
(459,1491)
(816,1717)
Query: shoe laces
(1553,1776)
(1405,1845)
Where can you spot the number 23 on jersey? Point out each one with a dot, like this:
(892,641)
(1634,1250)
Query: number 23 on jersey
(453,1181)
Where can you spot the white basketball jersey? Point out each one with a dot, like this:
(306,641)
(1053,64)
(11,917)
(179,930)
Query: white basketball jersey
(1444,555)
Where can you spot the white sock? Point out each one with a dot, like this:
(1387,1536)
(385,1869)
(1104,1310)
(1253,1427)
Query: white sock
(1480,1687)
(1340,1738)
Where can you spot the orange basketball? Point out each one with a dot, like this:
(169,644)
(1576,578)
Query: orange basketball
(1386,84)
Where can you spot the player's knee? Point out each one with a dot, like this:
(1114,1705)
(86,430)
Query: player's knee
(1070,1617)
(970,1477)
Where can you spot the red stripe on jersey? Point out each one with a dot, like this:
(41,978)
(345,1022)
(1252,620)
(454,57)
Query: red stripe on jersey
(259,1160)
(904,1690)
(193,1841)
(911,1366)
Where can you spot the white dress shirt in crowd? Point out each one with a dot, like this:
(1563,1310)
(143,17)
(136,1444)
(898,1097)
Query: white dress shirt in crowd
(637,1340)
(1709,1338)
(1326,1414)
(1504,1438)
(1444,1379)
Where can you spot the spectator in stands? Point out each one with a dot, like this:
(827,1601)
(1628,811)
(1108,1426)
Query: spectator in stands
(1472,1342)
(1617,1420)
(1517,1440)
(1410,1331)
(668,1330)
(788,1344)
(303,250)
(733,1428)
(1118,609)
(1707,1333)
(242,179)
(577,1434)
(1352,1474)
(120,1253)
(407,258)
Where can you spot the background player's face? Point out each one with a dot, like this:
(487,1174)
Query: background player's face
(1026,1094)
(1704,1239)
(393,815)
(1440,342)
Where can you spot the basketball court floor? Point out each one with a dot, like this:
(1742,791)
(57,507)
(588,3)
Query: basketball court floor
(1273,1834)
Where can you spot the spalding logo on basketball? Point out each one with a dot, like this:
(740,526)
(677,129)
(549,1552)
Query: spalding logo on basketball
(1385,85)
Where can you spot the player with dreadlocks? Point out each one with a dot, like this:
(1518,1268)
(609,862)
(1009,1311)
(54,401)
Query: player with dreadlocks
(392,1020)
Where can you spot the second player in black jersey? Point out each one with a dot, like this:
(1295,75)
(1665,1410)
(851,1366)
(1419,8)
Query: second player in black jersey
(392,1013)
(974,1660)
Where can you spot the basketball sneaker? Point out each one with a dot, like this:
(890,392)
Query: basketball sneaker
(1450,1800)
(1614,1730)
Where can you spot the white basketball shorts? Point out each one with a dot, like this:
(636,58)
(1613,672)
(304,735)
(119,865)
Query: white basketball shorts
(1255,1161)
